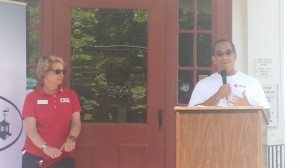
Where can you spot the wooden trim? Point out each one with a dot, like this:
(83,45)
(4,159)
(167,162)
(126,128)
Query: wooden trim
(222,19)
(46,27)
(171,35)
(219,108)
(196,108)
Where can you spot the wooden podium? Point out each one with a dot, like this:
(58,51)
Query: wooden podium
(221,137)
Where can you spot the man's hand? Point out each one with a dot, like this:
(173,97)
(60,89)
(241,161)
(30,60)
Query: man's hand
(239,101)
(224,91)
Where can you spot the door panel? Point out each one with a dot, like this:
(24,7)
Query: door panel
(118,143)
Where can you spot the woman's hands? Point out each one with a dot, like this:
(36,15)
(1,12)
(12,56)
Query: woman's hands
(69,145)
(52,152)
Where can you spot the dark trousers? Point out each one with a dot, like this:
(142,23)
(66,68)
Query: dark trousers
(32,161)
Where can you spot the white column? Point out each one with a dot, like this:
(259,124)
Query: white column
(292,81)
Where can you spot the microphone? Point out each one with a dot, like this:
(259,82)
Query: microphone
(223,74)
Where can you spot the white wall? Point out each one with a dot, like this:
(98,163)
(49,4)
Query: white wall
(239,33)
(258,36)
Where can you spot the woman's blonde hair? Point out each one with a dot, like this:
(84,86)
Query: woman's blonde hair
(45,63)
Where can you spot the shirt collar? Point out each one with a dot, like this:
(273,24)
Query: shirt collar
(41,90)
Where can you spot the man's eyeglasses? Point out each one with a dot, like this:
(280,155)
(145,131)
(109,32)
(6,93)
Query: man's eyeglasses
(227,53)
(58,71)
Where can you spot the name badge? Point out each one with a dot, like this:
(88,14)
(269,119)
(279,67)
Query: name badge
(42,101)
(64,100)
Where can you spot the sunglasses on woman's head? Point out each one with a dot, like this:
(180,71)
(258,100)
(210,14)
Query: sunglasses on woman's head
(58,71)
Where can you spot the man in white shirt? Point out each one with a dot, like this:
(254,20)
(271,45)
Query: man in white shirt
(239,90)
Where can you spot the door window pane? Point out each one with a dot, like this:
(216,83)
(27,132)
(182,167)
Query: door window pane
(204,50)
(204,14)
(109,64)
(186,49)
(34,25)
(186,14)
(33,29)
(185,86)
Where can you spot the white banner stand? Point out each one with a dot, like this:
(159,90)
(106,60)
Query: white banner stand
(12,81)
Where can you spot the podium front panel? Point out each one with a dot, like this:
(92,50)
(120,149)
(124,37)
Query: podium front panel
(220,138)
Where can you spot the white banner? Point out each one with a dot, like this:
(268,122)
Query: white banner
(13,81)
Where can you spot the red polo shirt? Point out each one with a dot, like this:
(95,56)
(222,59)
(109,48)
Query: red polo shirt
(53,115)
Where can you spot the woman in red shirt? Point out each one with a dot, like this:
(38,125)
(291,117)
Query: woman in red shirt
(52,119)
